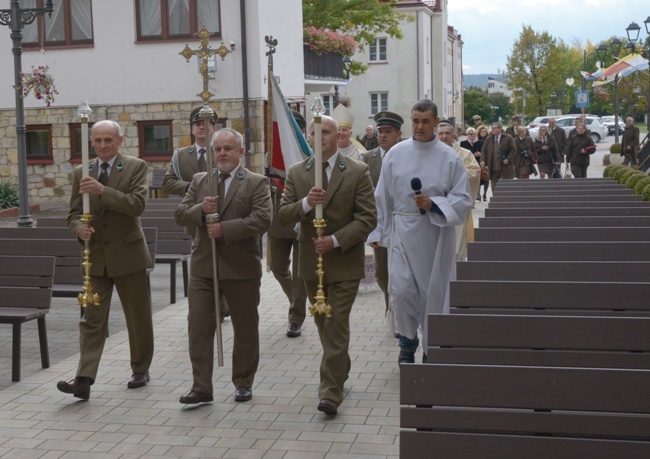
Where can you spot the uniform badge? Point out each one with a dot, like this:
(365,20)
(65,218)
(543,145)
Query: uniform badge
(120,166)
(91,166)
(309,164)
(342,165)
(374,155)
(240,175)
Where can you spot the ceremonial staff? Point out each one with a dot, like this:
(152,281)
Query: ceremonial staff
(87,296)
(321,306)
(206,114)
(271,43)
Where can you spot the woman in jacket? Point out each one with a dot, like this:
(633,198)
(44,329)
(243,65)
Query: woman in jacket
(577,151)
(523,162)
(546,151)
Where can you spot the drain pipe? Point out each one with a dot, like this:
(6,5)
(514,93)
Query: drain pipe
(244,71)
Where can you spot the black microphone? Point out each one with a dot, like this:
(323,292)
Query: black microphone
(416,185)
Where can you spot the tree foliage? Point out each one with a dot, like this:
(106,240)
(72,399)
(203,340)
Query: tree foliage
(536,69)
(362,19)
(477,102)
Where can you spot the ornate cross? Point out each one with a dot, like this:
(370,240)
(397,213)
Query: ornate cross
(204,53)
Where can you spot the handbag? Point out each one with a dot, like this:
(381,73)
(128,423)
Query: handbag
(557,171)
(567,171)
(485,174)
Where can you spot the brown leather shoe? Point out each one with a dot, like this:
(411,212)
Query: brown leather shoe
(79,387)
(243,394)
(193,397)
(327,406)
(138,380)
(294,331)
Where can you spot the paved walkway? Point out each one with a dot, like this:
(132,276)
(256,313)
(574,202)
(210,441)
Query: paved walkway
(37,421)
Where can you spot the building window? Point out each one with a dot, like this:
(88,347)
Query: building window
(378,102)
(328,102)
(155,139)
(39,144)
(71,24)
(75,142)
(378,50)
(176,19)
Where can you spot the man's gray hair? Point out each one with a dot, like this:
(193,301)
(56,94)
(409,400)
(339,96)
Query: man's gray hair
(496,123)
(443,124)
(425,105)
(238,136)
(116,126)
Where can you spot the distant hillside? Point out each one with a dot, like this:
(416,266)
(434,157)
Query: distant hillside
(480,80)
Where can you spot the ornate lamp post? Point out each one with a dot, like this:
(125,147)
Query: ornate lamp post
(644,49)
(17,18)
(347,66)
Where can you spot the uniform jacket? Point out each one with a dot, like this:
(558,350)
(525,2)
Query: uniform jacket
(492,157)
(630,138)
(277,230)
(118,246)
(560,140)
(523,145)
(546,156)
(186,161)
(246,212)
(373,159)
(349,211)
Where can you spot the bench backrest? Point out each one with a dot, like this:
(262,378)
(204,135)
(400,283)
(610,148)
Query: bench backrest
(157,176)
(26,282)
(591,342)
(552,212)
(559,251)
(52,222)
(596,233)
(171,237)
(574,271)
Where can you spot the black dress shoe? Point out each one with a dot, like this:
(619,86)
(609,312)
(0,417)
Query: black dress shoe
(138,380)
(193,397)
(79,387)
(243,394)
(294,331)
(327,406)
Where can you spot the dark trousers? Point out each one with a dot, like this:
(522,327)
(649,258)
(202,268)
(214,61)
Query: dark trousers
(282,250)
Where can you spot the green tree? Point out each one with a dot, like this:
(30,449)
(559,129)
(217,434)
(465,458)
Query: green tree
(536,68)
(504,108)
(362,19)
(477,102)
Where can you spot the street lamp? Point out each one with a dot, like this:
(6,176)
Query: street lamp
(633,31)
(347,66)
(615,45)
(17,18)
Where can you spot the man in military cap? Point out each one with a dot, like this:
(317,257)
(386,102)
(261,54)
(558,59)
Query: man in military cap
(477,121)
(284,249)
(516,122)
(189,160)
(347,145)
(389,133)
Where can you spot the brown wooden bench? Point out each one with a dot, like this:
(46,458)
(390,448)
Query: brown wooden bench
(597,233)
(58,242)
(174,247)
(493,411)
(552,212)
(575,271)
(26,294)
(157,176)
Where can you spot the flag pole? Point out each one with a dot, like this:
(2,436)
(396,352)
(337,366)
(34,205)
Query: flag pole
(271,43)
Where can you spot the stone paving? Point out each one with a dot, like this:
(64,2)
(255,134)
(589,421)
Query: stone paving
(281,422)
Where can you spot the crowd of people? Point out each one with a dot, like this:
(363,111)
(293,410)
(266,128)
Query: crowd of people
(410,200)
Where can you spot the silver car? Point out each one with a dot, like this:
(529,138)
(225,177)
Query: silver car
(593,123)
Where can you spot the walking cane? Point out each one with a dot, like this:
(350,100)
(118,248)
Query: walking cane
(206,114)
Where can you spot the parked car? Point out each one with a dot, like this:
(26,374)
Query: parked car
(608,121)
(594,124)
(539,121)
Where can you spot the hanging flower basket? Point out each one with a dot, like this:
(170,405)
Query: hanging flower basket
(40,83)
(322,41)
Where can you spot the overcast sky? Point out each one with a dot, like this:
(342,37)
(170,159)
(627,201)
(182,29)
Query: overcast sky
(489,28)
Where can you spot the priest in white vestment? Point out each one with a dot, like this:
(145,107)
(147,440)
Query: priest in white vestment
(418,226)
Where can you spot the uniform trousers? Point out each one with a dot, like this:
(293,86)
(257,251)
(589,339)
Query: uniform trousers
(93,327)
(243,297)
(579,170)
(381,271)
(290,281)
(334,334)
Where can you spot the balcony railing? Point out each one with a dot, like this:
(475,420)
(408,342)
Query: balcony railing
(323,66)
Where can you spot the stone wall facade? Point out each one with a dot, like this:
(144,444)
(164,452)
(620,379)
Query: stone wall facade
(52,183)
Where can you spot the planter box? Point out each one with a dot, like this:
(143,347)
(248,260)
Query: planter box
(612,158)
(15,211)
(323,66)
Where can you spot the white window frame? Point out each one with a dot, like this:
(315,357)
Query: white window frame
(375,50)
(378,102)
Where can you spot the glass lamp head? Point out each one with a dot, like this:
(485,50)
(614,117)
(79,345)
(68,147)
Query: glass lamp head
(84,110)
(317,109)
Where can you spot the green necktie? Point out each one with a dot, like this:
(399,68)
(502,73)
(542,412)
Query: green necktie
(103,175)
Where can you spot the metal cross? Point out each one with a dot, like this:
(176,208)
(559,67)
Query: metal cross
(204,53)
